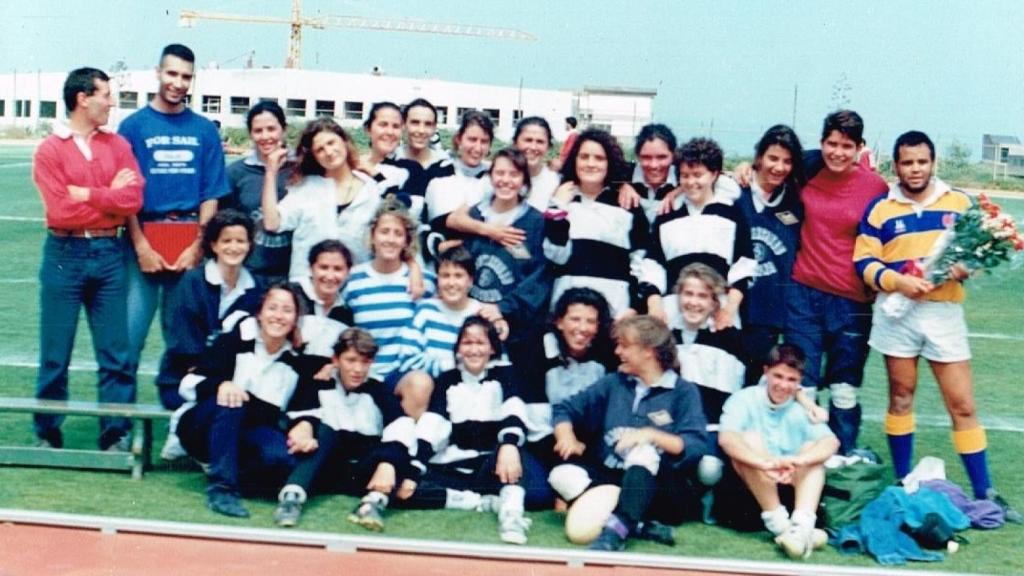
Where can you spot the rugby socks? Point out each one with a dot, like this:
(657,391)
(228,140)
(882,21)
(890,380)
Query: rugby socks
(900,433)
(972,446)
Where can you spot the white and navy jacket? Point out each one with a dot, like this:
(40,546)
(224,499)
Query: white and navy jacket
(470,416)
(713,359)
(717,235)
(276,383)
(562,377)
(403,178)
(597,245)
(369,416)
(454,185)
(202,306)
(319,326)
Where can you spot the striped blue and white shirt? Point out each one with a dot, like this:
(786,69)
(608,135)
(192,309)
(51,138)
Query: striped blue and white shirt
(381,304)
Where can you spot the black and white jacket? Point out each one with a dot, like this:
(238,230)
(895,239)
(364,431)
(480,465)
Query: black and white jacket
(470,416)
(597,244)
(276,383)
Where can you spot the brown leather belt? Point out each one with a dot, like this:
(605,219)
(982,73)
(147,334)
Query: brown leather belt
(86,232)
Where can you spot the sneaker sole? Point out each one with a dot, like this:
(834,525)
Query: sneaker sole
(286,523)
(512,538)
(368,523)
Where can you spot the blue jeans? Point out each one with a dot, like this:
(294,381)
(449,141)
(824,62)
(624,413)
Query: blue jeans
(824,324)
(89,272)
(145,293)
(243,453)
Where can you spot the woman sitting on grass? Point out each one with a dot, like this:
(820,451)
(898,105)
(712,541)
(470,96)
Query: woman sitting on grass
(471,437)
(364,440)
(246,385)
(652,434)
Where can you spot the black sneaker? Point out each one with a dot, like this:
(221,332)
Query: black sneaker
(608,541)
(1009,513)
(226,502)
(655,531)
(52,438)
(288,510)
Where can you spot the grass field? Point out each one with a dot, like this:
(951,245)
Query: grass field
(995,315)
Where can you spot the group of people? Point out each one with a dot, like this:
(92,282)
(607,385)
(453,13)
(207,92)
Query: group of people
(481,331)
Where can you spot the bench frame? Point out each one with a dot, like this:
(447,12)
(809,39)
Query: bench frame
(137,460)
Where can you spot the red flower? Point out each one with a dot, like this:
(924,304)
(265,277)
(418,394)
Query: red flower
(911,268)
(948,220)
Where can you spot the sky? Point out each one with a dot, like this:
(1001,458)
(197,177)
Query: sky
(724,68)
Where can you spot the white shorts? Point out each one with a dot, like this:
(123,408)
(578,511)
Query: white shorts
(934,330)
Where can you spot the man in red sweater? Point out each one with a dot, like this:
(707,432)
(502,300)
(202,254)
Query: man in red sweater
(90,183)
(829,307)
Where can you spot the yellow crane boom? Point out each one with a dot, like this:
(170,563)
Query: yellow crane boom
(189,18)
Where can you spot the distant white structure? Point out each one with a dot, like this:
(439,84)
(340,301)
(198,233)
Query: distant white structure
(28,99)
(1004,153)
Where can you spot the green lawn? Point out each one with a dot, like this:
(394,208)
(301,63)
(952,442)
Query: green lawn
(995,315)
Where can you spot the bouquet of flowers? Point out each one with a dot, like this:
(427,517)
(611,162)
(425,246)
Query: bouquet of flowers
(981,238)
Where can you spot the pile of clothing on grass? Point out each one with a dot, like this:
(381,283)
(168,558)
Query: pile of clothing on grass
(913,521)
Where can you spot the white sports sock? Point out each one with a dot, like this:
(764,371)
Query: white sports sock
(776,521)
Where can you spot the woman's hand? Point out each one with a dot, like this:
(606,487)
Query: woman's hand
(275,160)
(301,439)
(231,395)
(383,479)
(510,466)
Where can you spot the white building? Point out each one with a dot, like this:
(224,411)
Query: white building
(28,99)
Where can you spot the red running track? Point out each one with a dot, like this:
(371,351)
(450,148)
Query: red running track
(32,550)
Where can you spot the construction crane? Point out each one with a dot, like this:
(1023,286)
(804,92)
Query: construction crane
(297,21)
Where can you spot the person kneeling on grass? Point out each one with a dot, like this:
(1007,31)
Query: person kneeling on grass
(471,437)
(364,440)
(248,382)
(772,442)
(653,430)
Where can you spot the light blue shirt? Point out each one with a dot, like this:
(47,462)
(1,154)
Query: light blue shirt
(784,428)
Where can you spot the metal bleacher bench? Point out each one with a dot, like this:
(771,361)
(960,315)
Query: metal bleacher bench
(137,460)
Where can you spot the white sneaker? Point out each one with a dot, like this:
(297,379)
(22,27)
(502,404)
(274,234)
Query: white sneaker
(172,450)
(795,542)
(489,503)
(513,526)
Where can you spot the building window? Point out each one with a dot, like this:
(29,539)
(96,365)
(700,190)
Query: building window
(211,104)
(239,104)
(325,107)
(3,107)
(150,96)
(22,108)
(295,107)
(268,99)
(461,113)
(353,110)
(188,100)
(47,109)
(128,100)
(517,115)
(442,115)
(494,113)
